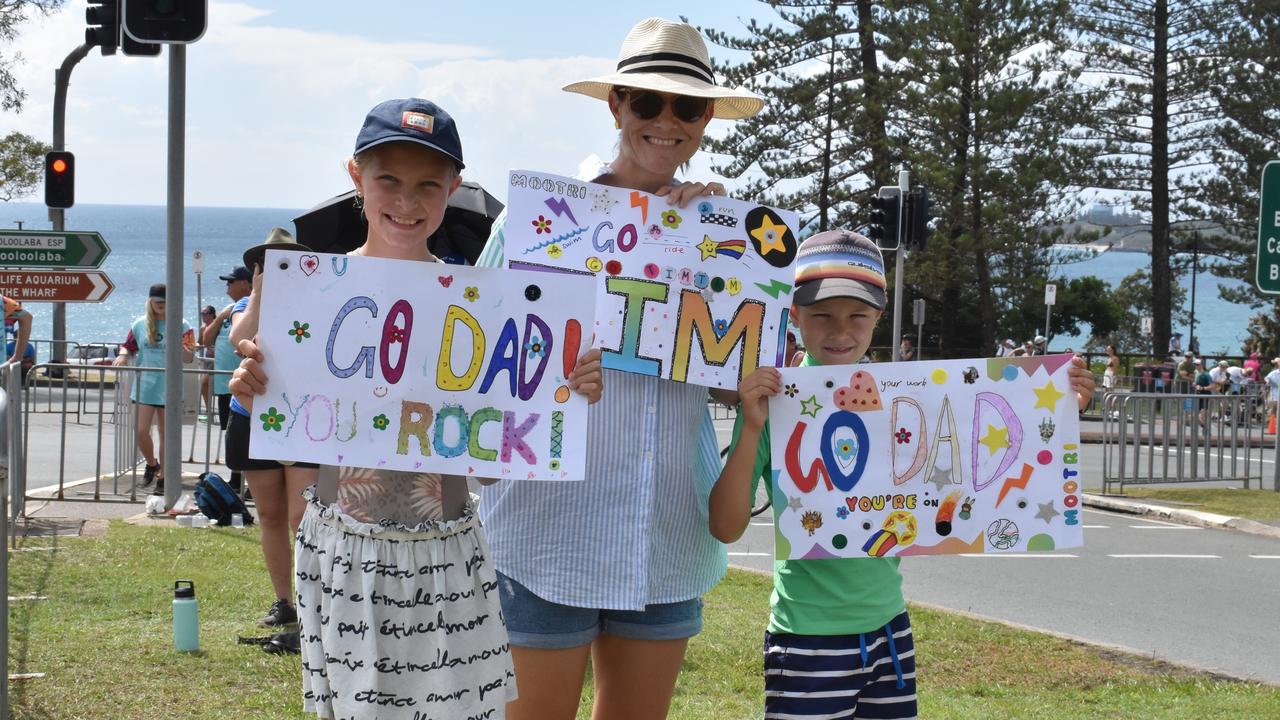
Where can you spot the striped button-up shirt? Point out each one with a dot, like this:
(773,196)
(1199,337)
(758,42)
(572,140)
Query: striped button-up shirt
(635,531)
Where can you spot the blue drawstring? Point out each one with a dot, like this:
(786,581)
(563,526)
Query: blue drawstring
(862,643)
(893,653)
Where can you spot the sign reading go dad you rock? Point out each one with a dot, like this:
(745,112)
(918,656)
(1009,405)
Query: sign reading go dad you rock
(924,458)
(697,294)
(421,366)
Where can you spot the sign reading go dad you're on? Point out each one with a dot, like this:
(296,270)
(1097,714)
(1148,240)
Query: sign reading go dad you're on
(697,294)
(421,366)
(924,458)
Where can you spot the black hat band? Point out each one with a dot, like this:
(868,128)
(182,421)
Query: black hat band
(683,65)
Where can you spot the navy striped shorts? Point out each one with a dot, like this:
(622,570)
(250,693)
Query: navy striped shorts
(872,675)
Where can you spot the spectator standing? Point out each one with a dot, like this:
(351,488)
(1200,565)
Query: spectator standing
(907,350)
(18,321)
(1175,344)
(217,335)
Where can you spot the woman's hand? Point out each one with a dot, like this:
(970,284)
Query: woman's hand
(248,379)
(586,378)
(680,195)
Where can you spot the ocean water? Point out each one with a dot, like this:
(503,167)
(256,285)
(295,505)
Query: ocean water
(1221,326)
(136,236)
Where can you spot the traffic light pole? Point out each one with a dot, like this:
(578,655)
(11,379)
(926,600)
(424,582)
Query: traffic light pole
(904,184)
(175,214)
(62,79)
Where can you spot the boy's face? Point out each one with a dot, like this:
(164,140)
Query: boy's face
(405,187)
(836,331)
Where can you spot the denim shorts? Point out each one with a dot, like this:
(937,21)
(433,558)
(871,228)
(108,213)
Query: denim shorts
(536,623)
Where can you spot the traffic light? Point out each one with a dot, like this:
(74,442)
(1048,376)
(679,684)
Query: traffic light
(918,213)
(59,179)
(103,18)
(165,21)
(885,207)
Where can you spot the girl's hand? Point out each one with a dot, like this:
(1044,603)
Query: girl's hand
(755,391)
(256,285)
(680,195)
(121,360)
(248,379)
(586,378)
(1082,382)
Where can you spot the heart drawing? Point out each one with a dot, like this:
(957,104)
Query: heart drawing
(310,263)
(445,280)
(859,394)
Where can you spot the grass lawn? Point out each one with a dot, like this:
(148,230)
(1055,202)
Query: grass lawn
(1252,504)
(103,639)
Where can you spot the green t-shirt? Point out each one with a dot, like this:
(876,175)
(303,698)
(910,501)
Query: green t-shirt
(842,596)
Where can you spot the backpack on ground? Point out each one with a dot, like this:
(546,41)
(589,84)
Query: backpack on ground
(216,499)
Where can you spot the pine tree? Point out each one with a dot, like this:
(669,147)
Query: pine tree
(824,134)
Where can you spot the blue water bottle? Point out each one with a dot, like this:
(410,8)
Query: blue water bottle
(186,617)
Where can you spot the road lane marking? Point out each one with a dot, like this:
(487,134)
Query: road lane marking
(1018,555)
(750,554)
(1265,557)
(1095,527)
(1168,555)
(1165,527)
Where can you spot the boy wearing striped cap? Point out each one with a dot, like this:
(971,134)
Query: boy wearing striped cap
(839,640)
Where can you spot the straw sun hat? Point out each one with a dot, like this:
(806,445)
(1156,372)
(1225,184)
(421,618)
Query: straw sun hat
(670,57)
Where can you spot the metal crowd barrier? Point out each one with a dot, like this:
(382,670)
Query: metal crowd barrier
(1151,438)
(87,408)
(10,457)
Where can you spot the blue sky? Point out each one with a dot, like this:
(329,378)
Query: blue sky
(277,90)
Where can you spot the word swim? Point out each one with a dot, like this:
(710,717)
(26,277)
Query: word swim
(448,432)
(512,352)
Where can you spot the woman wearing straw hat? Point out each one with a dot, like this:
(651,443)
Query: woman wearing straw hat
(614,568)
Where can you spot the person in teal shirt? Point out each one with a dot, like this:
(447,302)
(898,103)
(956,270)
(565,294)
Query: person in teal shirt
(217,335)
(839,641)
(146,343)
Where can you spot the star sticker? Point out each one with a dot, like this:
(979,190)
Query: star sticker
(707,247)
(793,503)
(1047,396)
(810,407)
(1047,513)
(770,236)
(941,478)
(995,438)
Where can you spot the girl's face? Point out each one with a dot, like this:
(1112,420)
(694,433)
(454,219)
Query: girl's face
(405,187)
(157,306)
(661,144)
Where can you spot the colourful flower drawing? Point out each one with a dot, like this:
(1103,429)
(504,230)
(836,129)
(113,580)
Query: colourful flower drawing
(542,225)
(381,422)
(534,348)
(272,419)
(903,435)
(721,327)
(846,449)
(299,331)
(671,219)
(472,294)
(791,390)
(395,335)
(842,512)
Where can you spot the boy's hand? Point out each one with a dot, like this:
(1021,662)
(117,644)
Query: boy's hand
(755,391)
(1082,382)
(248,379)
(586,377)
(680,195)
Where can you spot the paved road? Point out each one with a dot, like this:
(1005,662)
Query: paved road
(1208,598)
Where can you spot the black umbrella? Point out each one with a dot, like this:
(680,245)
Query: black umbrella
(336,226)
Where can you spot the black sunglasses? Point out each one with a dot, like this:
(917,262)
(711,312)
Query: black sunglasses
(647,105)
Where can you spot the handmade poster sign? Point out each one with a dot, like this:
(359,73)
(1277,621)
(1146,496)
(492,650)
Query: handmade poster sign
(697,294)
(925,458)
(422,366)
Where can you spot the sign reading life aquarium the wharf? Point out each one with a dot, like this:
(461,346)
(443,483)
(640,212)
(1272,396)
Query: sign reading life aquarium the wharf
(698,294)
(52,249)
(427,367)
(55,285)
(926,458)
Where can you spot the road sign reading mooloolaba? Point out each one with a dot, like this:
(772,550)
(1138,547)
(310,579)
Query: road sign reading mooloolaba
(1268,277)
(51,249)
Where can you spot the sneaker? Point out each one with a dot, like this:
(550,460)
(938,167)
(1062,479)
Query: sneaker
(159,488)
(149,474)
(280,614)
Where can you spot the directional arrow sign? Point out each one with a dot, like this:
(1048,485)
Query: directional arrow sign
(51,249)
(55,285)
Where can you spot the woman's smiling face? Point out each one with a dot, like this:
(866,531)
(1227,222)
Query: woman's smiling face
(660,144)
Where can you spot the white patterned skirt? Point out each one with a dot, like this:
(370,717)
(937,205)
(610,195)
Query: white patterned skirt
(400,623)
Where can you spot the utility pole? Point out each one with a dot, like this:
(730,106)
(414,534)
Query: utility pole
(57,216)
(904,185)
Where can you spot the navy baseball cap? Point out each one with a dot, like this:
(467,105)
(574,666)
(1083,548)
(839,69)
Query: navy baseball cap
(411,120)
(239,272)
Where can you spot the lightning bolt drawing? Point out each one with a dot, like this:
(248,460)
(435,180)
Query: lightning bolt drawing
(642,202)
(560,206)
(1019,482)
(775,287)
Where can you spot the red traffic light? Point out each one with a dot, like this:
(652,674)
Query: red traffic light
(59,179)
(59,166)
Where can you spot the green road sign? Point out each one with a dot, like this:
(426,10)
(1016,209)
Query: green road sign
(50,249)
(1268,278)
